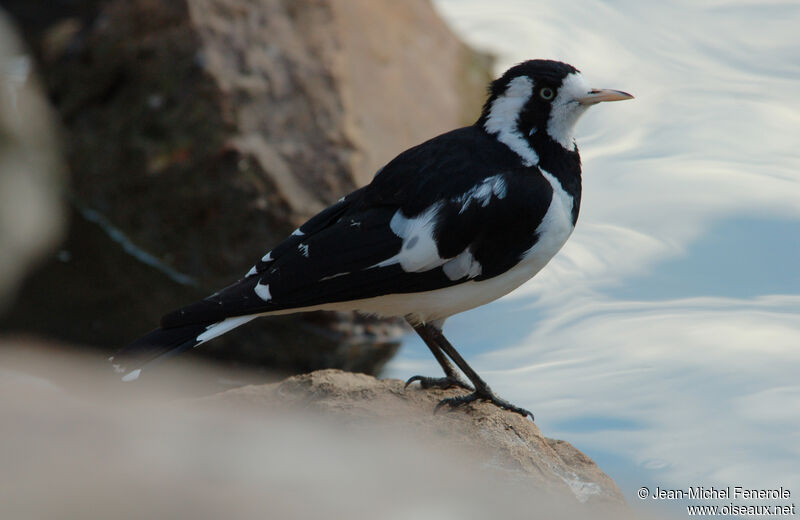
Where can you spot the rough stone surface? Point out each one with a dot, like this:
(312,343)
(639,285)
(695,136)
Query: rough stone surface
(201,132)
(505,443)
(322,445)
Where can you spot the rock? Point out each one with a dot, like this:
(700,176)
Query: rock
(504,444)
(201,132)
(322,445)
(31,169)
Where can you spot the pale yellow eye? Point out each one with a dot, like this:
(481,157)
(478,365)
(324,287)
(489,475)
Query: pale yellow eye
(547,94)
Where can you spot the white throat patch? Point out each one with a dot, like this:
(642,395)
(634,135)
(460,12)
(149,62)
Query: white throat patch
(566,109)
(503,118)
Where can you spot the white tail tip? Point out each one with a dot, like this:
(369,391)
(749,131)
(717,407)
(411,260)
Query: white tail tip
(133,375)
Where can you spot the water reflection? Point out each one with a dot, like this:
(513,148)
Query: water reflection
(664,339)
(739,258)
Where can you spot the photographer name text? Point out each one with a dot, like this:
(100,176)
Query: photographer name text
(720,493)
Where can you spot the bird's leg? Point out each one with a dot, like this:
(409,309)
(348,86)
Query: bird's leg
(482,391)
(451,378)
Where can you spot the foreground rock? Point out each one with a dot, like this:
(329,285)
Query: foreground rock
(202,132)
(78,443)
(505,445)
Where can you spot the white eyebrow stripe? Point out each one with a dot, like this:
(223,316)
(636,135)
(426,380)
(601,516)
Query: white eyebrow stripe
(503,118)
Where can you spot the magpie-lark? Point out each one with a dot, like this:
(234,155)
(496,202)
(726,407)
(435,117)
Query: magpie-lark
(446,226)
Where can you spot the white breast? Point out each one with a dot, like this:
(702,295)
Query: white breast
(555,229)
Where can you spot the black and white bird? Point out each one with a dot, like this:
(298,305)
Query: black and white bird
(451,224)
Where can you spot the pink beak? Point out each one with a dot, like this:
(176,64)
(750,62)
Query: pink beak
(597,96)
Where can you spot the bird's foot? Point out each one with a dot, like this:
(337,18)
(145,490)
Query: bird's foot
(439,382)
(482,395)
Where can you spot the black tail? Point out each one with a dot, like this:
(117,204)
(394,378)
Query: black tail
(157,345)
(169,341)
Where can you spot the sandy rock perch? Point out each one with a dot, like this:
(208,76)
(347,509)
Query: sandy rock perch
(505,445)
(78,443)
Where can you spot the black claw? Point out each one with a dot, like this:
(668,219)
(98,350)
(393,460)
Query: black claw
(444,351)
(438,382)
(455,402)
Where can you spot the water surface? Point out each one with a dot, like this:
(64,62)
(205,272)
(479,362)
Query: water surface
(664,340)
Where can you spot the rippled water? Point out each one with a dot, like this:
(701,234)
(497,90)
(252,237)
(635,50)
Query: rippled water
(664,340)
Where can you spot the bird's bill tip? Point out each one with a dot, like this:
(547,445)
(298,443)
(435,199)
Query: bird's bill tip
(600,95)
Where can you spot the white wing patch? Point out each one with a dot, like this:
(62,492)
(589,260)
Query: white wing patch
(503,118)
(419,251)
(262,291)
(331,277)
(482,192)
(264,259)
(221,327)
(303,248)
(461,266)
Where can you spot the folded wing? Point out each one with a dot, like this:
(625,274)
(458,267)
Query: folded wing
(430,219)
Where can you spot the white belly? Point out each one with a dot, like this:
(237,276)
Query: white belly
(440,304)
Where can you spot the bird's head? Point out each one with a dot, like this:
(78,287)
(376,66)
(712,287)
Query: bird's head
(540,100)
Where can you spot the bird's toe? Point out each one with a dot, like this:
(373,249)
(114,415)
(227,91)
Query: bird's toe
(439,382)
(455,402)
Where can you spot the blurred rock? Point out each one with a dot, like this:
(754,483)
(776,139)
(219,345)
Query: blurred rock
(35,17)
(31,172)
(78,443)
(201,132)
(505,444)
